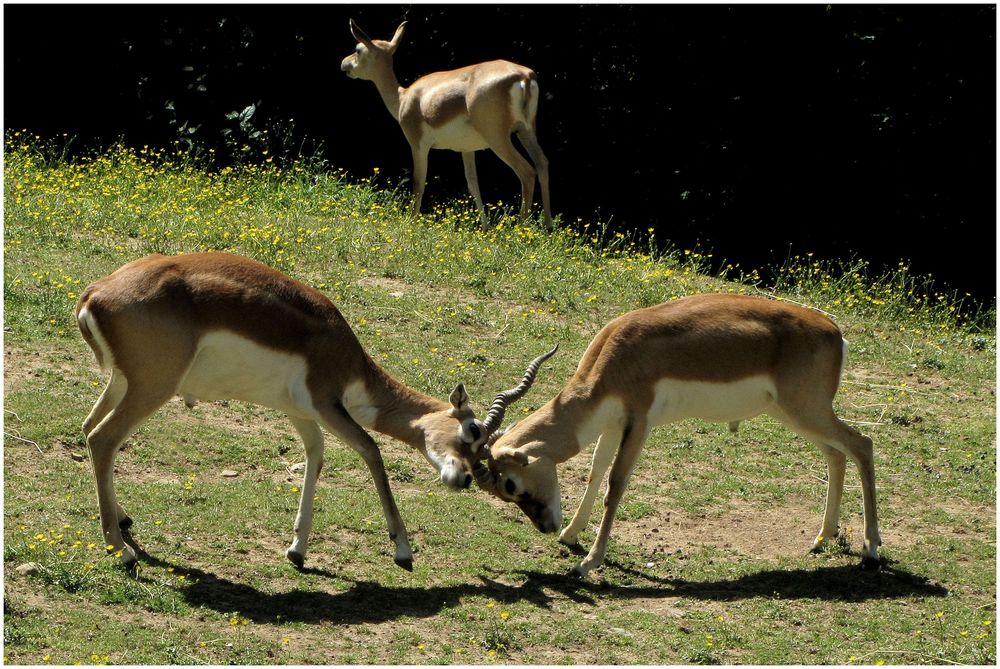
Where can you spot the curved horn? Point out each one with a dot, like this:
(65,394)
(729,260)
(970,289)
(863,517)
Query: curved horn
(493,438)
(495,415)
(484,477)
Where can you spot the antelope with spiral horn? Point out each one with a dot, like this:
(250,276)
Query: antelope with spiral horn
(715,357)
(210,326)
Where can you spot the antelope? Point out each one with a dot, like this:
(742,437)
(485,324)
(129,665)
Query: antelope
(211,326)
(465,110)
(714,357)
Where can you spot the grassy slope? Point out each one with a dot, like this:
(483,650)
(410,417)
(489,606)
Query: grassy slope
(707,563)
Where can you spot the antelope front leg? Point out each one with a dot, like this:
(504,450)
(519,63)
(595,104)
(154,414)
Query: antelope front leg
(621,470)
(835,466)
(604,451)
(420,157)
(397,530)
(312,438)
(472,179)
(341,424)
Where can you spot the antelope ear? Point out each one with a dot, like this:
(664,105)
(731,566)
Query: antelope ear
(359,34)
(459,398)
(518,458)
(394,42)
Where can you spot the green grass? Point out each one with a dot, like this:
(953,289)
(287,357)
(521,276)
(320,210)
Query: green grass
(708,560)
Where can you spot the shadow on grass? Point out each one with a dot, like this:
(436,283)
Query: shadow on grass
(372,602)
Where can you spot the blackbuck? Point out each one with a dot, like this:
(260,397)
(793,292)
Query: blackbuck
(714,357)
(465,110)
(211,326)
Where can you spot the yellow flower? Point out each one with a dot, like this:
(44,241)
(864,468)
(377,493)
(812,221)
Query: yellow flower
(504,615)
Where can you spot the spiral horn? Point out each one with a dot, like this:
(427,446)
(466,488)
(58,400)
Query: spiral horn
(485,479)
(494,417)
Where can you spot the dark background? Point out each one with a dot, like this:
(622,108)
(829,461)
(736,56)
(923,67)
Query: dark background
(756,131)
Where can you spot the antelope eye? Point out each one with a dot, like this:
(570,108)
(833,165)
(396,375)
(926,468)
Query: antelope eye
(510,487)
(476,432)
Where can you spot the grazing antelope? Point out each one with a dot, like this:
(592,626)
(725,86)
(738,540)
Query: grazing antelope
(465,110)
(211,326)
(714,357)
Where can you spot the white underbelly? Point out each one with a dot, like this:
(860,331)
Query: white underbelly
(729,401)
(228,366)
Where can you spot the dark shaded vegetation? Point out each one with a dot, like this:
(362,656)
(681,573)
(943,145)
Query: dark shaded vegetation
(755,131)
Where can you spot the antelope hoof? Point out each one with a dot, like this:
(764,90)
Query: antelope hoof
(129,561)
(296,558)
(869,563)
(405,563)
(569,539)
(822,541)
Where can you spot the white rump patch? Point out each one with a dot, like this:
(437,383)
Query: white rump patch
(106,358)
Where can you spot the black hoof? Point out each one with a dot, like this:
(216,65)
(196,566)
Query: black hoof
(131,565)
(405,563)
(575,573)
(296,559)
(870,564)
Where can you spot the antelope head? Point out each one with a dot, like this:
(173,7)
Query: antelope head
(372,59)
(518,470)
(446,435)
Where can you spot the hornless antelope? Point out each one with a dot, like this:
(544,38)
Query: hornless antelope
(714,357)
(465,110)
(211,326)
